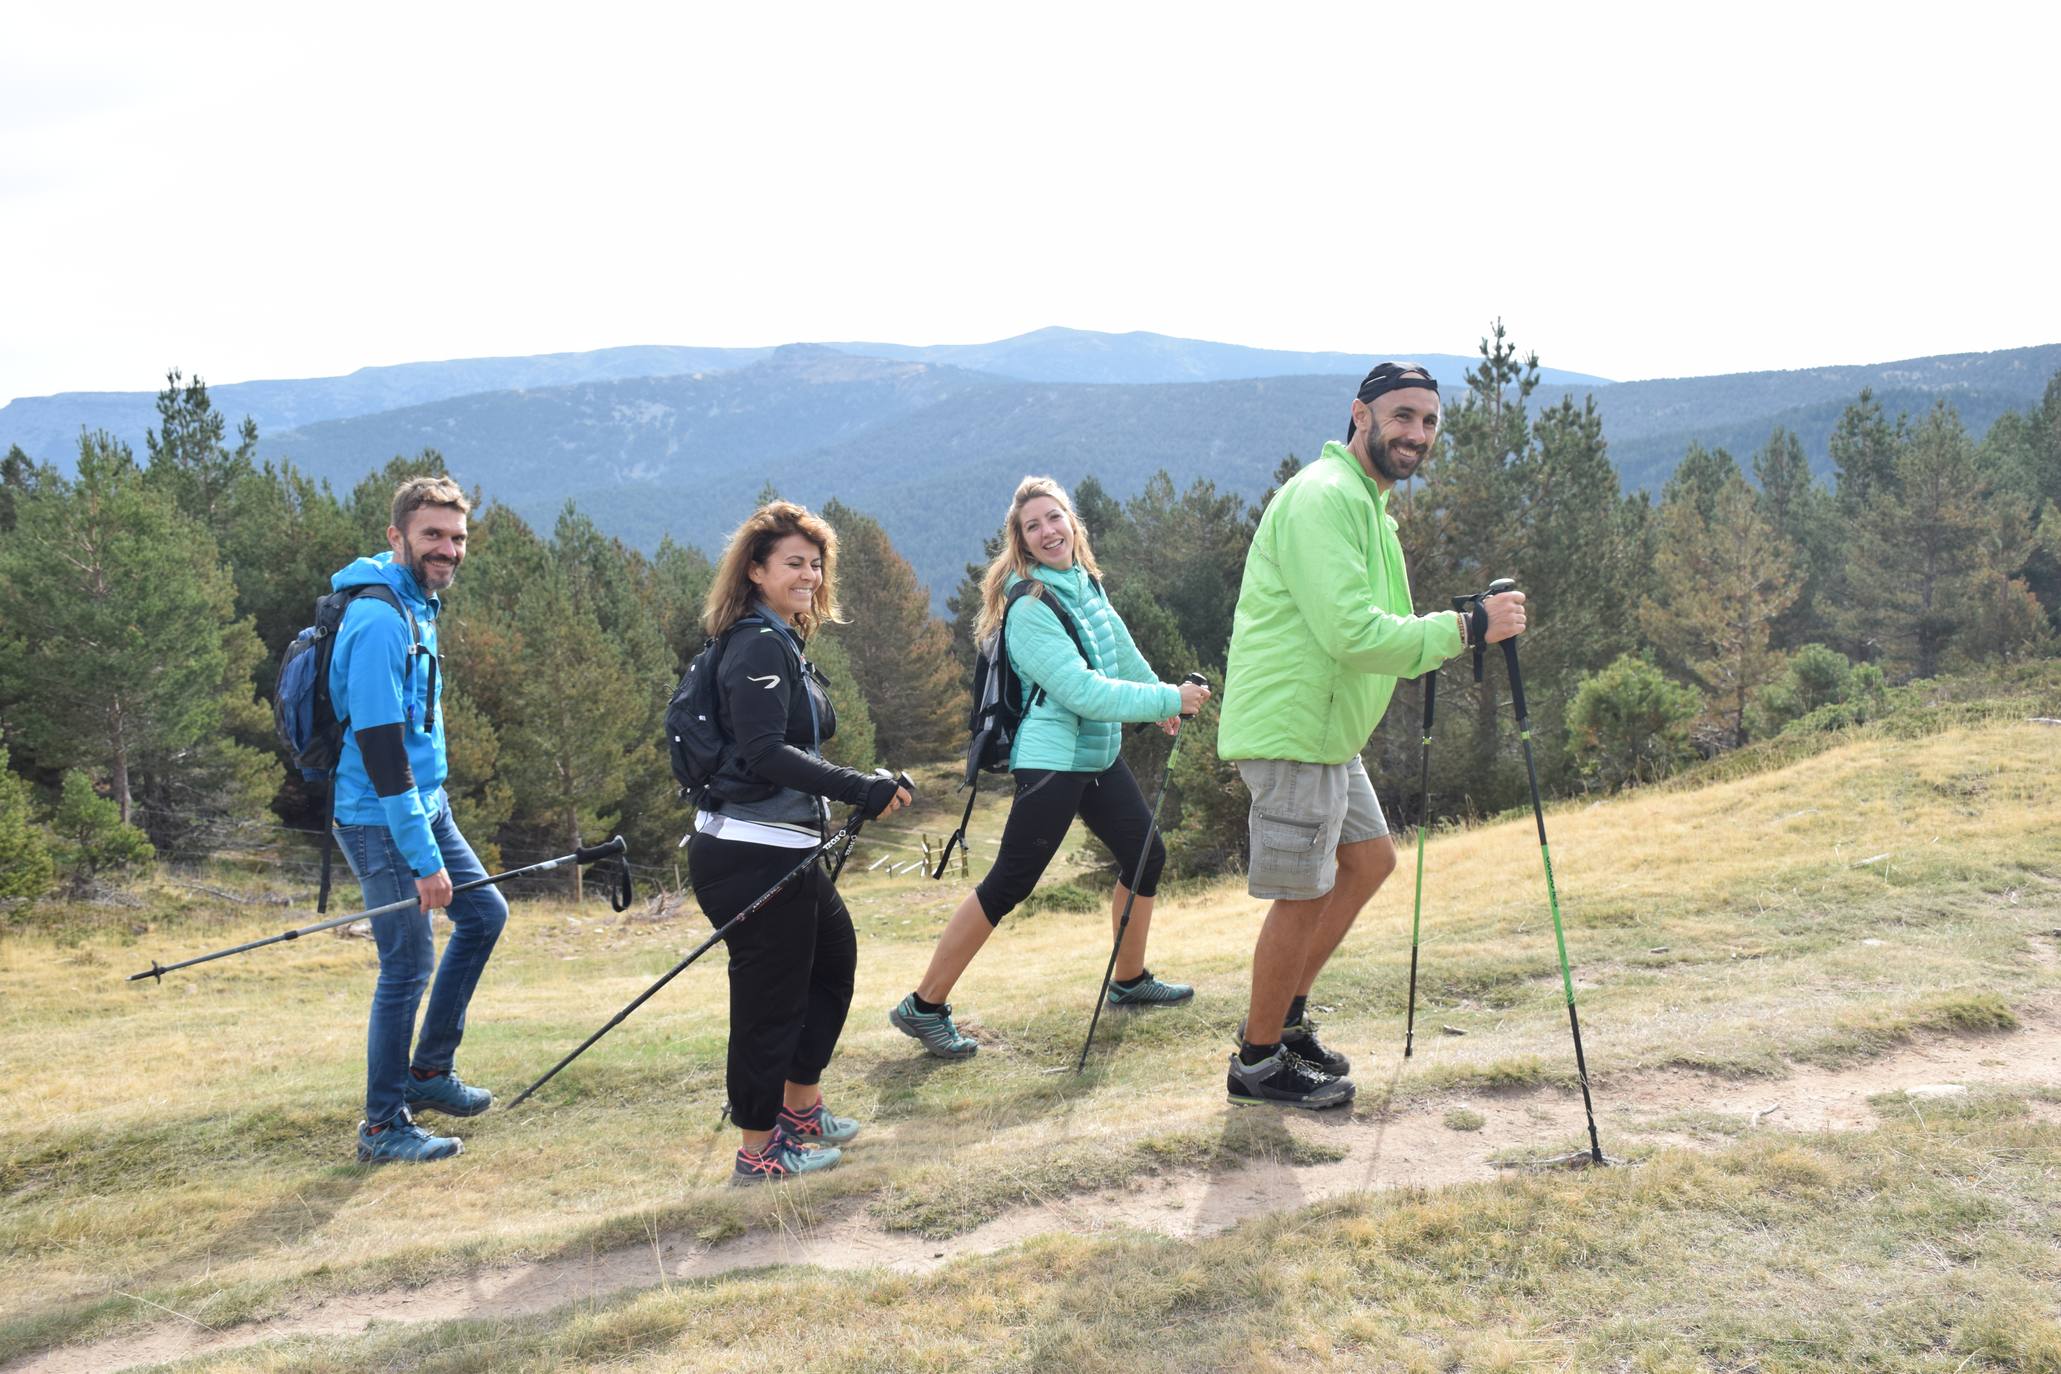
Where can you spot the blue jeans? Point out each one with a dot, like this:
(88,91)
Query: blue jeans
(406,956)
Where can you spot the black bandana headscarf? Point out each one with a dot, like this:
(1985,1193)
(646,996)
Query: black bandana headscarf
(1387,377)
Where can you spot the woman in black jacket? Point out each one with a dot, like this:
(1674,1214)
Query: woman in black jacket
(791,964)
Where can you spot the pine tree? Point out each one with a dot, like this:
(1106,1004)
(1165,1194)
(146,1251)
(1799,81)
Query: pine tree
(1864,448)
(854,745)
(1188,550)
(964,604)
(117,624)
(1630,723)
(2024,451)
(682,574)
(1802,512)
(1701,478)
(1719,585)
(188,458)
(1915,543)
(572,720)
(17,476)
(372,500)
(92,837)
(901,654)
(284,535)
(25,868)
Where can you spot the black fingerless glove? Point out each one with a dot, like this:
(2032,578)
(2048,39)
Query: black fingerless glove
(878,797)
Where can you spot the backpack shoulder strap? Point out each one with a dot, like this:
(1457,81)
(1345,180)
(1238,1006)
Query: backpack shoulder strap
(379,591)
(1030,586)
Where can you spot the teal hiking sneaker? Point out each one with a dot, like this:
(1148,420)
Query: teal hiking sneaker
(401,1141)
(816,1126)
(934,1028)
(1149,991)
(446,1093)
(781,1160)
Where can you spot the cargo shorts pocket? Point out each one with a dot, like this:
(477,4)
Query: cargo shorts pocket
(1286,853)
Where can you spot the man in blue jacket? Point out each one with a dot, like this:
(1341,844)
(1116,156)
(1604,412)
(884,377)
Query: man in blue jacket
(394,825)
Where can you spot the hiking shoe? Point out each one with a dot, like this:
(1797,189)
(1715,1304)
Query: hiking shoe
(1301,1041)
(446,1093)
(816,1126)
(1286,1081)
(781,1160)
(401,1141)
(1149,991)
(934,1028)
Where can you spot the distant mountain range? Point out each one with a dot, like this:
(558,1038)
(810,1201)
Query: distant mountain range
(655,441)
(47,427)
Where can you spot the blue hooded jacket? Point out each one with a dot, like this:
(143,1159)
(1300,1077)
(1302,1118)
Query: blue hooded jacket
(392,768)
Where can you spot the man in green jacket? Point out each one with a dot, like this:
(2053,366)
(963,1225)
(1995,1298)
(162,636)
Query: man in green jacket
(1324,627)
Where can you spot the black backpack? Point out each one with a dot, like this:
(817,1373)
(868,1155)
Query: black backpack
(696,741)
(1000,699)
(304,715)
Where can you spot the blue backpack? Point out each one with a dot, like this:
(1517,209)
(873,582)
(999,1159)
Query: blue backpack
(301,709)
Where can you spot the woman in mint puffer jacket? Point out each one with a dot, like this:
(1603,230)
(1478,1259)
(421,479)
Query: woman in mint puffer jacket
(1065,758)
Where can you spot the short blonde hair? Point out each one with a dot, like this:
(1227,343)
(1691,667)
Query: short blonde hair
(731,593)
(417,492)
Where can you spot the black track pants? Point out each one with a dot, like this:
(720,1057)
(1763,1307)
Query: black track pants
(1108,803)
(791,968)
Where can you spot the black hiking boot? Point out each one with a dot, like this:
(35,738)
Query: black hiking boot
(1285,1080)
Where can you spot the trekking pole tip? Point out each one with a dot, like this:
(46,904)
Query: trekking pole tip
(156,970)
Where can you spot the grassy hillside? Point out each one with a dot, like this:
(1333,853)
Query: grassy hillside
(186,1147)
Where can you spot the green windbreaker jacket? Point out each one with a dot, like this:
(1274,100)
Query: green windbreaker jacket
(1324,624)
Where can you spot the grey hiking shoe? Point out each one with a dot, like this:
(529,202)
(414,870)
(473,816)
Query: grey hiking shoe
(1149,991)
(1285,1080)
(782,1158)
(446,1093)
(401,1141)
(934,1028)
(816,1126)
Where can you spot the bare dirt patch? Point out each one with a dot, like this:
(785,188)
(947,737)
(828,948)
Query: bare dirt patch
(1408,1147)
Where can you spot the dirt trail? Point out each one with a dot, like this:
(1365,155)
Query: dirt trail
(1409,1147)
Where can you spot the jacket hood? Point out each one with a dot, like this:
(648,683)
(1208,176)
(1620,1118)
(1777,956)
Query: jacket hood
(380,568)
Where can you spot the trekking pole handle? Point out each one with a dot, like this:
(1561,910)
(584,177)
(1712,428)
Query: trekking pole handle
(1198,680)
(607,849)
(1430,697)
(1497,588)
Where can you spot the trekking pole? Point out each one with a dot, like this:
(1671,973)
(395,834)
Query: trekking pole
(619,897)
(1423,820)
(846,832)
(1538,813)
(1130,890)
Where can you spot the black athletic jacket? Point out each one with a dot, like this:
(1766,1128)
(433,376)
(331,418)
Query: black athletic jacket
(765,711)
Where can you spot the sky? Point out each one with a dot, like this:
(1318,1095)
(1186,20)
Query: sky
(1636,191)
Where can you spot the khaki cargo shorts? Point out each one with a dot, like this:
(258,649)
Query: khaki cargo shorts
(1301,813)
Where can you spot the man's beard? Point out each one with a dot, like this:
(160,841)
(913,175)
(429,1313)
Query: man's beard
(1378,454)
(423,571)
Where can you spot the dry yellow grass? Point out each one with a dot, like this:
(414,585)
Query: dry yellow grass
(190,1143)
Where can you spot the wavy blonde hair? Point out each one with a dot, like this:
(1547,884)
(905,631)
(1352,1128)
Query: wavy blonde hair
(1016,556)
(731,593)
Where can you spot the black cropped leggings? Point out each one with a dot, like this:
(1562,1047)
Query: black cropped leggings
(1108,802)
(791,969)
